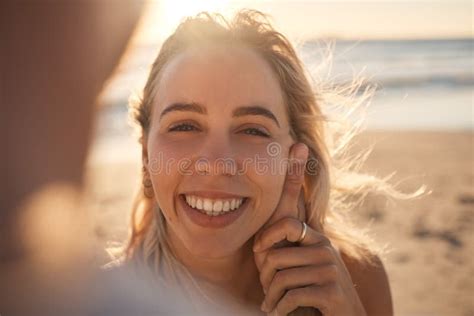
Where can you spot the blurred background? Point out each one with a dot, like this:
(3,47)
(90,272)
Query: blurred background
(419,53)
(420,121)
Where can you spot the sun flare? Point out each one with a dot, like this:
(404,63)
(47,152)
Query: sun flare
(163,16)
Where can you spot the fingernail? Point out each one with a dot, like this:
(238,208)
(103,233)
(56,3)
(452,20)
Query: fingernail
(301,152)
(299,159)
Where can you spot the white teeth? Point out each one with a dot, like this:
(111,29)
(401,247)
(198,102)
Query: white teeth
(217,207)
(199,204)
(208,205)
(189,199)
(237,203)
(226,206)
(213,207)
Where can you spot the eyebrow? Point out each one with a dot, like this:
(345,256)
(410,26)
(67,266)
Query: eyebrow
(241,111)
(255,110)
(192,107)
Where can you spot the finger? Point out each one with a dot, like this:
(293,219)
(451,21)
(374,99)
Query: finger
(315,296)
(291,201)
(290,229)
(288,279)
(290,257)
(288,204)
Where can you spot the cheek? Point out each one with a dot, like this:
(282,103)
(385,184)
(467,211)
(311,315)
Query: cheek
(168,158)
(165,173)
(168,152)
(269,175)
(272,188)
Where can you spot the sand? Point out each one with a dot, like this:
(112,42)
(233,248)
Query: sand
(432,238)
(430,264)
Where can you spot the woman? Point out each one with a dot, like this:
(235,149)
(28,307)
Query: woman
(242,196)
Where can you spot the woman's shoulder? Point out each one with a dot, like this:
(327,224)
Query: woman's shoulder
(371,283)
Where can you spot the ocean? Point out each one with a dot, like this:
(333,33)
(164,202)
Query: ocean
(422,85)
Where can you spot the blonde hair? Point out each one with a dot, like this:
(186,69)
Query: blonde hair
(332,187)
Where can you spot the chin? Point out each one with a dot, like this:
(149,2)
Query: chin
(211,249)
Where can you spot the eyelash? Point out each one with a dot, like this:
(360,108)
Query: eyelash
(177,128)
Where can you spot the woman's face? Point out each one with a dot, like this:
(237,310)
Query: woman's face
(219,135)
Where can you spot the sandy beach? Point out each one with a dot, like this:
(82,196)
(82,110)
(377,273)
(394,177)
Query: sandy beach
(431,239)
(430,266)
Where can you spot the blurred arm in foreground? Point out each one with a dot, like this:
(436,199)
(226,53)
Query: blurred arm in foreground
(56,56)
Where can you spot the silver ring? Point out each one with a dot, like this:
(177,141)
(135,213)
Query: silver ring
(303,233)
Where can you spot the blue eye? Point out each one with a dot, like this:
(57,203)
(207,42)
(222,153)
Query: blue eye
(182,128)
(256,132)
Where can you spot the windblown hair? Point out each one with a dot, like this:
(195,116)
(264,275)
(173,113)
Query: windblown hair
(333,186)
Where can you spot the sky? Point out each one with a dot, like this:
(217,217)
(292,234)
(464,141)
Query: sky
(349,19)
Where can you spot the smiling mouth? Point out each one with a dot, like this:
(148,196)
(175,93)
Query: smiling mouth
(214,207)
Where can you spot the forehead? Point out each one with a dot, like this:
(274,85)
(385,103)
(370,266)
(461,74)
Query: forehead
(220,77)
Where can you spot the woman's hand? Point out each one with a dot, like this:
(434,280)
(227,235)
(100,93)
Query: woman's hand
(310,273)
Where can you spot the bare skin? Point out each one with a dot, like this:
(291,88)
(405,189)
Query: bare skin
(312,273)
(372,286)
(56,57)
(221,81)
(209,78)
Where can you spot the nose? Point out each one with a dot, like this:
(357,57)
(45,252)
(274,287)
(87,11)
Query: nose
(215,156)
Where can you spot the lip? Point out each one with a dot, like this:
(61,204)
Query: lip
(214,195)
(207,221)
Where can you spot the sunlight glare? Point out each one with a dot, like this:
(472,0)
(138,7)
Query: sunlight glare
(163,16)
